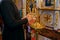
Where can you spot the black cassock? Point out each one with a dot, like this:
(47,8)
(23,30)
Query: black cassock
(13,29)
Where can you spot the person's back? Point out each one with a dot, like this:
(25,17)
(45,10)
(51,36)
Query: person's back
(13,29)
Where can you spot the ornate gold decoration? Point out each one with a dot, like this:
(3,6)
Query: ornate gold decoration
(46,18)
(37,25)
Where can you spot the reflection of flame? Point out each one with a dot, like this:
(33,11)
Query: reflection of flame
(37,25)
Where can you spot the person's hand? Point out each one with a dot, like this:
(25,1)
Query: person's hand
(30,18)
(24,17)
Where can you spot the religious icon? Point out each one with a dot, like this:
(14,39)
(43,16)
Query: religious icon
(47,18)
(47,2)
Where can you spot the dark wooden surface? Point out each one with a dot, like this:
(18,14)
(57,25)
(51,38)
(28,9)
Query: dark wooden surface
(0,37)
(1,21)
(52,34)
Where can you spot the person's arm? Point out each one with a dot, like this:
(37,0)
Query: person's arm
(8,9)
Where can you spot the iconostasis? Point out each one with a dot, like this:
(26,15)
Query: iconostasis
(48,12)
(50,18)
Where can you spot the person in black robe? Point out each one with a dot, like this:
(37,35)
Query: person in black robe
(13,29)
